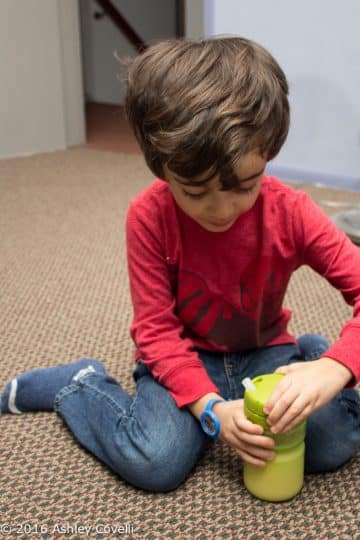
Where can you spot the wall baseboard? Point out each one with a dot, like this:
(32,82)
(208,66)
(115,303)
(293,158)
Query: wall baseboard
(320,178)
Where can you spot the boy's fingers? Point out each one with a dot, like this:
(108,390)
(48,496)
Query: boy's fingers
(288,426)
(282,388)
(251,459)
(281,400)
(242,423)
(258,441)
(265,455)
(292,418)
(296,410)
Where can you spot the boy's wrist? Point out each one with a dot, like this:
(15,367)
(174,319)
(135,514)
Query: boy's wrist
(197,407)
(343,370)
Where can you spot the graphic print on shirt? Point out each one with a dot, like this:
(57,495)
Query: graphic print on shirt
(215,319)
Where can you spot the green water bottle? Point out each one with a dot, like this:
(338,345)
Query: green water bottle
(281,478)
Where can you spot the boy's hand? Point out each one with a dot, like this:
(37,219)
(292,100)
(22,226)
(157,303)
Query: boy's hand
(242,435)
(306,387)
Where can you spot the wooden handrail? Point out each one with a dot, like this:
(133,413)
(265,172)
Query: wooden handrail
(122,24)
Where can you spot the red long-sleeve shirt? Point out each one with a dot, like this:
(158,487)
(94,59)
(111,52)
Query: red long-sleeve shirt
(192,288)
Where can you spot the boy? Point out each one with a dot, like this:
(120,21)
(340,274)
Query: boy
(212,244)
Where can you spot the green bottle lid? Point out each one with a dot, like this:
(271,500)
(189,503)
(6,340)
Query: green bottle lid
(254,403)
(255,400)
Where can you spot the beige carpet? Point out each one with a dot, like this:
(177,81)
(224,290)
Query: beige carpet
(64,295)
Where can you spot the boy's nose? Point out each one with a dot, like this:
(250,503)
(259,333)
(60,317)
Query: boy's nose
(223,208)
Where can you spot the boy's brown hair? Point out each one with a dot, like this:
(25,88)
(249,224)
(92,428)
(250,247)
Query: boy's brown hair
(199,106)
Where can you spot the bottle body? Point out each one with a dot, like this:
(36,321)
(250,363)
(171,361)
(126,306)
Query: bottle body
(281,478)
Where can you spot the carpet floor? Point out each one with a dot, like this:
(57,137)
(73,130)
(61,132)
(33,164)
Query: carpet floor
(64,295)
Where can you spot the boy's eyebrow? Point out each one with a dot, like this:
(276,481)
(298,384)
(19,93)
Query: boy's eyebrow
(252,176)
(200,183)
(192,181)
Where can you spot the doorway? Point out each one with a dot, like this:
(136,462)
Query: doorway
(109,30)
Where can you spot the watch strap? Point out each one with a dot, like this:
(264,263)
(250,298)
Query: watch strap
(211,403)
(208,413)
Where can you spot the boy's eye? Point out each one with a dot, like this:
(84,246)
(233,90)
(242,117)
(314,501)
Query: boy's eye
(245,190)
(194,195)
(236,190)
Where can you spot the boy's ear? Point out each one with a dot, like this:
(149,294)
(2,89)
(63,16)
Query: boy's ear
(163,173)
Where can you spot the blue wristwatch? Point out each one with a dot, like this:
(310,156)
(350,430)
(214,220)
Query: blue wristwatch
(209,421)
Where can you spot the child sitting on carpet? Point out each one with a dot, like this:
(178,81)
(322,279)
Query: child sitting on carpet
(212,244)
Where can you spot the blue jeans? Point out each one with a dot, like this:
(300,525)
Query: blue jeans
(153,444)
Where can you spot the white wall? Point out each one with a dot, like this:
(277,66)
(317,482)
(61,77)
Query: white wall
(317,44)
(72,75)
(195,19)
(37,101)
(152,20)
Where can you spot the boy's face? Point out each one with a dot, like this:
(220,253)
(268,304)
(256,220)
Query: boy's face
(215,210)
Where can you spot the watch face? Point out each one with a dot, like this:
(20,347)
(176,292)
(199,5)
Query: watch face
(209,423)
